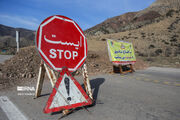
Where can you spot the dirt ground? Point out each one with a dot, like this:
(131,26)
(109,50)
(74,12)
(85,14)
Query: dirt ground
(25,65)
(158,43)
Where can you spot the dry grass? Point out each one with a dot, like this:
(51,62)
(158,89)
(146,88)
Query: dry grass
(154,42)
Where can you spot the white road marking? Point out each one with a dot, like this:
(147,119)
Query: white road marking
(11,111)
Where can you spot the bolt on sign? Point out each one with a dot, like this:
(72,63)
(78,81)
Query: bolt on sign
(61,43)
(63,47)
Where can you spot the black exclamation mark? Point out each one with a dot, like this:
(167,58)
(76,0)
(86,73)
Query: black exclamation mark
(66,81)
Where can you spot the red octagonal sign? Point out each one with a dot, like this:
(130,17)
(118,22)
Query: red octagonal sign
(61,43)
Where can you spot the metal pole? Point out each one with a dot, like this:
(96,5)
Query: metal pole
(17,40)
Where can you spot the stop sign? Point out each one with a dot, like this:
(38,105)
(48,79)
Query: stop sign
(61,43)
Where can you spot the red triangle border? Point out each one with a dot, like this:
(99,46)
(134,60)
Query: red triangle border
(49,102)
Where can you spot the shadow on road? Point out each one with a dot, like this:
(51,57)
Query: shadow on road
(44,94)
(95,84)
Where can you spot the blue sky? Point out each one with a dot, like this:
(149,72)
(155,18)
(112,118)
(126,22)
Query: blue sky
(87,13)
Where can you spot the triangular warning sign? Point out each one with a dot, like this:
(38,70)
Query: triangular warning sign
(67,93)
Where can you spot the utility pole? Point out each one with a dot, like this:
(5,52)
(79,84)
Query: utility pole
(17,40)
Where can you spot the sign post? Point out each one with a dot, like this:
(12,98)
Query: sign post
(17,40)
(63,47)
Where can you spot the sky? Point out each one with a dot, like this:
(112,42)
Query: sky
(87,13)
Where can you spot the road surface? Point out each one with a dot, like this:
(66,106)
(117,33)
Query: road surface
(152,94)
(5,57)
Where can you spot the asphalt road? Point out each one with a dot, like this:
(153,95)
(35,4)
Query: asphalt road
(152,94)
(5,57)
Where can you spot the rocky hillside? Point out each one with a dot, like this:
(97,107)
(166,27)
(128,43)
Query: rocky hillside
(162,7)
(134,20)
(8,38)
(157,43)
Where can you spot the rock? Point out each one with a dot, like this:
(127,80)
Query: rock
(30,75)
(96,65)
(23,75)
(103,39)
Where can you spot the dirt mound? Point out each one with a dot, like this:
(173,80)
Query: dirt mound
(25,64)
(22,65)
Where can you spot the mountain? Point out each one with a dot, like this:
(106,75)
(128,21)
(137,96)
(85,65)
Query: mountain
(8,38)
(133,20)
(154,32)
(162,6)
(157,43)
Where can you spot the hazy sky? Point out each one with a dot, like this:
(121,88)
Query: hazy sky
(87,13)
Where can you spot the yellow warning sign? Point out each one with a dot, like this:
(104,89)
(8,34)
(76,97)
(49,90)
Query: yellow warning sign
(121,52)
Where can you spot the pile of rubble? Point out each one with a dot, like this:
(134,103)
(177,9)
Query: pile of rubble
(25,65)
